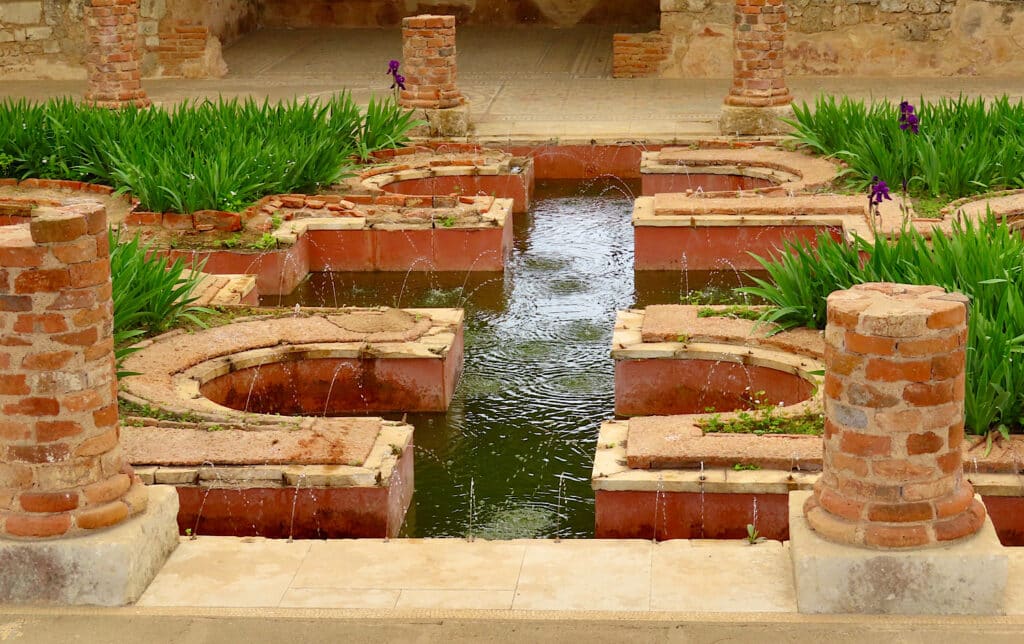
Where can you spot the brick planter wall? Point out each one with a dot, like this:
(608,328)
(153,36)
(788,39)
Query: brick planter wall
(428,49)
(61,466)
(760,34)
(113,58)
(894,390)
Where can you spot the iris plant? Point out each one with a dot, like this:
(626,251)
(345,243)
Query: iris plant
(398,79)
(908,119)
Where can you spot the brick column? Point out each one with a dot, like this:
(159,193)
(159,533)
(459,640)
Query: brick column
(430,70)
(894,403)
(113,57)
(62,470)
(759,95)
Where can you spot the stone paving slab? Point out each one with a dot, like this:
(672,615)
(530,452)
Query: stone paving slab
(621,576)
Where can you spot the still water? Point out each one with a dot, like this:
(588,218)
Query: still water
(512,456)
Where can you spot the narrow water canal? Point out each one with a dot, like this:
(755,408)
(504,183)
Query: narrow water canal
(512,456)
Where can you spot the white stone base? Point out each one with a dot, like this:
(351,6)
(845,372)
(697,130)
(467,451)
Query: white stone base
(109,568)
(450,122)
(751,121)
(967,577)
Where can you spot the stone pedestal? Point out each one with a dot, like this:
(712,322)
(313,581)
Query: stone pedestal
(966,577)
(105,568)
(758,96)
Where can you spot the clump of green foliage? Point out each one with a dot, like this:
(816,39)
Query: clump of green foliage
(983,260)
(150,297)
(735,311)
(220,155)
(761,421)
(965,146)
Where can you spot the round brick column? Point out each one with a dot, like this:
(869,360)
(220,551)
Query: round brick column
(758,97)
(430,68)
(113,57)
(894,392)
(62,470)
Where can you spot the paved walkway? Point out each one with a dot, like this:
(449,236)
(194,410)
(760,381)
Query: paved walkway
(538,575)
(523,84)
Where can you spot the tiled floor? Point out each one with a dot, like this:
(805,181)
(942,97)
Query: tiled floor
(574,575)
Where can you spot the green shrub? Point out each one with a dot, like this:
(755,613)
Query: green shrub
(220,155)
(964,147)
(984,261)
(149,296)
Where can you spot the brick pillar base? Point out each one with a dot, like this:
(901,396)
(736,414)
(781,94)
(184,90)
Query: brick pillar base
(428,49)
(892,526)
(113,58)
(759,97)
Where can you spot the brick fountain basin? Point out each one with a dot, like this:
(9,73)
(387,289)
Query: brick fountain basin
(263,472)
(661,476)
(725,172)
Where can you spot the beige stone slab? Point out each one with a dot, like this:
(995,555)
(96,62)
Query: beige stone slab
(1015,581)
(226,571)
(585,575)
(722,576)
(423,564)
(457,599)
(339,598)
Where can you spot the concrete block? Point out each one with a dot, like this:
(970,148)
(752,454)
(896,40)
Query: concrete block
(752,121)
(449,122)
(110,567)
(966,577)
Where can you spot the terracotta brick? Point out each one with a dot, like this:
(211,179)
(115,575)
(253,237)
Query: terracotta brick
(955,503)
(86,400)
(841,506)
(14,430)
(929,490)
(42,281)
(36,525)
(965,524)
(31,257)
(100,444)
(852,464)
(82,338)
(863,394)
(43,502)
(49,431)
(857,444)
(925,443)
(13,385)
(105,417)
(101,516)
(929,346)
(955,435)
(858,488)
(950,462)
(33,407)
(63,228)
(887,536)
(948,319)
(868,344)
(50,453)
(900,512)
(897,371)
(108,489)
(44,322)
(922,394)
(89,273)
(80,250)
(833,386)
(948,365)
(902,470)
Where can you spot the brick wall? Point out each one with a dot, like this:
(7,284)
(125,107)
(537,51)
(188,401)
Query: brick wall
(894,400)
(639,55)
(62,470)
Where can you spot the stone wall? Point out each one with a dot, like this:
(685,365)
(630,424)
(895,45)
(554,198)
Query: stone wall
(389,13)
(46,38)
(858,37)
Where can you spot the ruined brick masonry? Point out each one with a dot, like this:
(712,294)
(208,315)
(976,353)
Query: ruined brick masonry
(429,63)
(115,77)
(894,399)
(62,470)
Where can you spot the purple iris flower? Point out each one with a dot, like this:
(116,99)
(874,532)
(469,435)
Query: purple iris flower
(908,119)
(879,191)
(398,79)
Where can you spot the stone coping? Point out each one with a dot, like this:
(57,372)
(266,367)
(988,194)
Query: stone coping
(323,455)
(1004,203)
(611,471)
(172,367)
(792,172)
(848,213)
(437,160)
